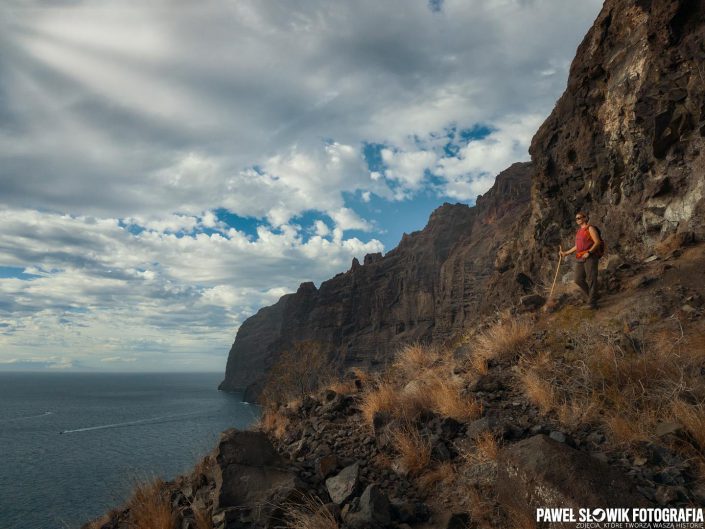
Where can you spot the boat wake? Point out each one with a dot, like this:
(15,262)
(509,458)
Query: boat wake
(138,422)
(24,417)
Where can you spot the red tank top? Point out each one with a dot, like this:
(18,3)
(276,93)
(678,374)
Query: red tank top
(583,240)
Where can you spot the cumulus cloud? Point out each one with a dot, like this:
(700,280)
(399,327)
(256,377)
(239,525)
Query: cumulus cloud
(130,133)
(471,172)
(119,109)
(407,168)
(100,289)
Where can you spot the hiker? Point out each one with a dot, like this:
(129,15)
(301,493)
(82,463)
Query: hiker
(587,249)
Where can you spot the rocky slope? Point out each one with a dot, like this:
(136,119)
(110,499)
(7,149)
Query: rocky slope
(465,444)
(625,142)
(427,288)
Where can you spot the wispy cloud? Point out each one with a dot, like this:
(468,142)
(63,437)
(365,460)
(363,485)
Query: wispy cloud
(160,181)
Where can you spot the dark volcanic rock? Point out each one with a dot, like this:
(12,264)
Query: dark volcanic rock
(625,141)
(459,521)
(373,511)
(534,473)
(531,302)
(250,474)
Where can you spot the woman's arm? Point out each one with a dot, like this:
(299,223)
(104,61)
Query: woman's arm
(568,252)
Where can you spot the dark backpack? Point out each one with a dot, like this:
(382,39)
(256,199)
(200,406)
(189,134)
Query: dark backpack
(602,248)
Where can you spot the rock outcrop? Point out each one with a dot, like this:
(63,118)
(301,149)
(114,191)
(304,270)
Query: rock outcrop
(425,289)
(532,474)
(249,472)
(626,141)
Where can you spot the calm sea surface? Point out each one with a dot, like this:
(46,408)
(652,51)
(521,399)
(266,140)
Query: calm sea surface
(73,445)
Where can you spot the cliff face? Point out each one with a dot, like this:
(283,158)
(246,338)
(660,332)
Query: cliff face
(625,142)
(426,288)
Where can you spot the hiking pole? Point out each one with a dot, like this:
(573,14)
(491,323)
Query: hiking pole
(560,258)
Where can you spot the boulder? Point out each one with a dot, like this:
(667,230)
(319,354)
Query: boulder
(531,302)
(460,520)
(250,475)
(489,423)
(342,486)
(406,511)
(541,472)
(373,510)
(326,465)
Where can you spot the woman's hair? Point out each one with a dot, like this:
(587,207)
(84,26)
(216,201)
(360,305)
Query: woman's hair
(582,212)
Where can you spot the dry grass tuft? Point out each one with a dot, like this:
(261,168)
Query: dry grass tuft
(343,387)
(500,342)
(627,384)
(575,412)
(692,417)
(150,507)
(205,466)
(382,398)
(309,513)
(700,468)
(539,393)
(486,450)
(414,448)
(443,473)
(623,430)
(481,508)
(447,399)
(435,391)
(362,375)
(416,358)
(202,517)
(487,447)
(274,422)
(104,519)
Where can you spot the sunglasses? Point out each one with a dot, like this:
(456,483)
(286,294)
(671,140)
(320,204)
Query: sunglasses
(579,218)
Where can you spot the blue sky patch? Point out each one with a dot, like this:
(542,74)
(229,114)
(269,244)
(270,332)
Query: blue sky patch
(373,156)
(134,229)
(246,225)
(458,139)
(16,273)
(397,217)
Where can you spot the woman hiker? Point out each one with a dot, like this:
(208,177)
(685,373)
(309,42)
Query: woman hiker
(588,246)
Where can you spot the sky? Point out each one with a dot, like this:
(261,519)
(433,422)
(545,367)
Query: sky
(167,168)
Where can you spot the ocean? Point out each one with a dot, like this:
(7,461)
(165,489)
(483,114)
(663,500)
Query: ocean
(72,445)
